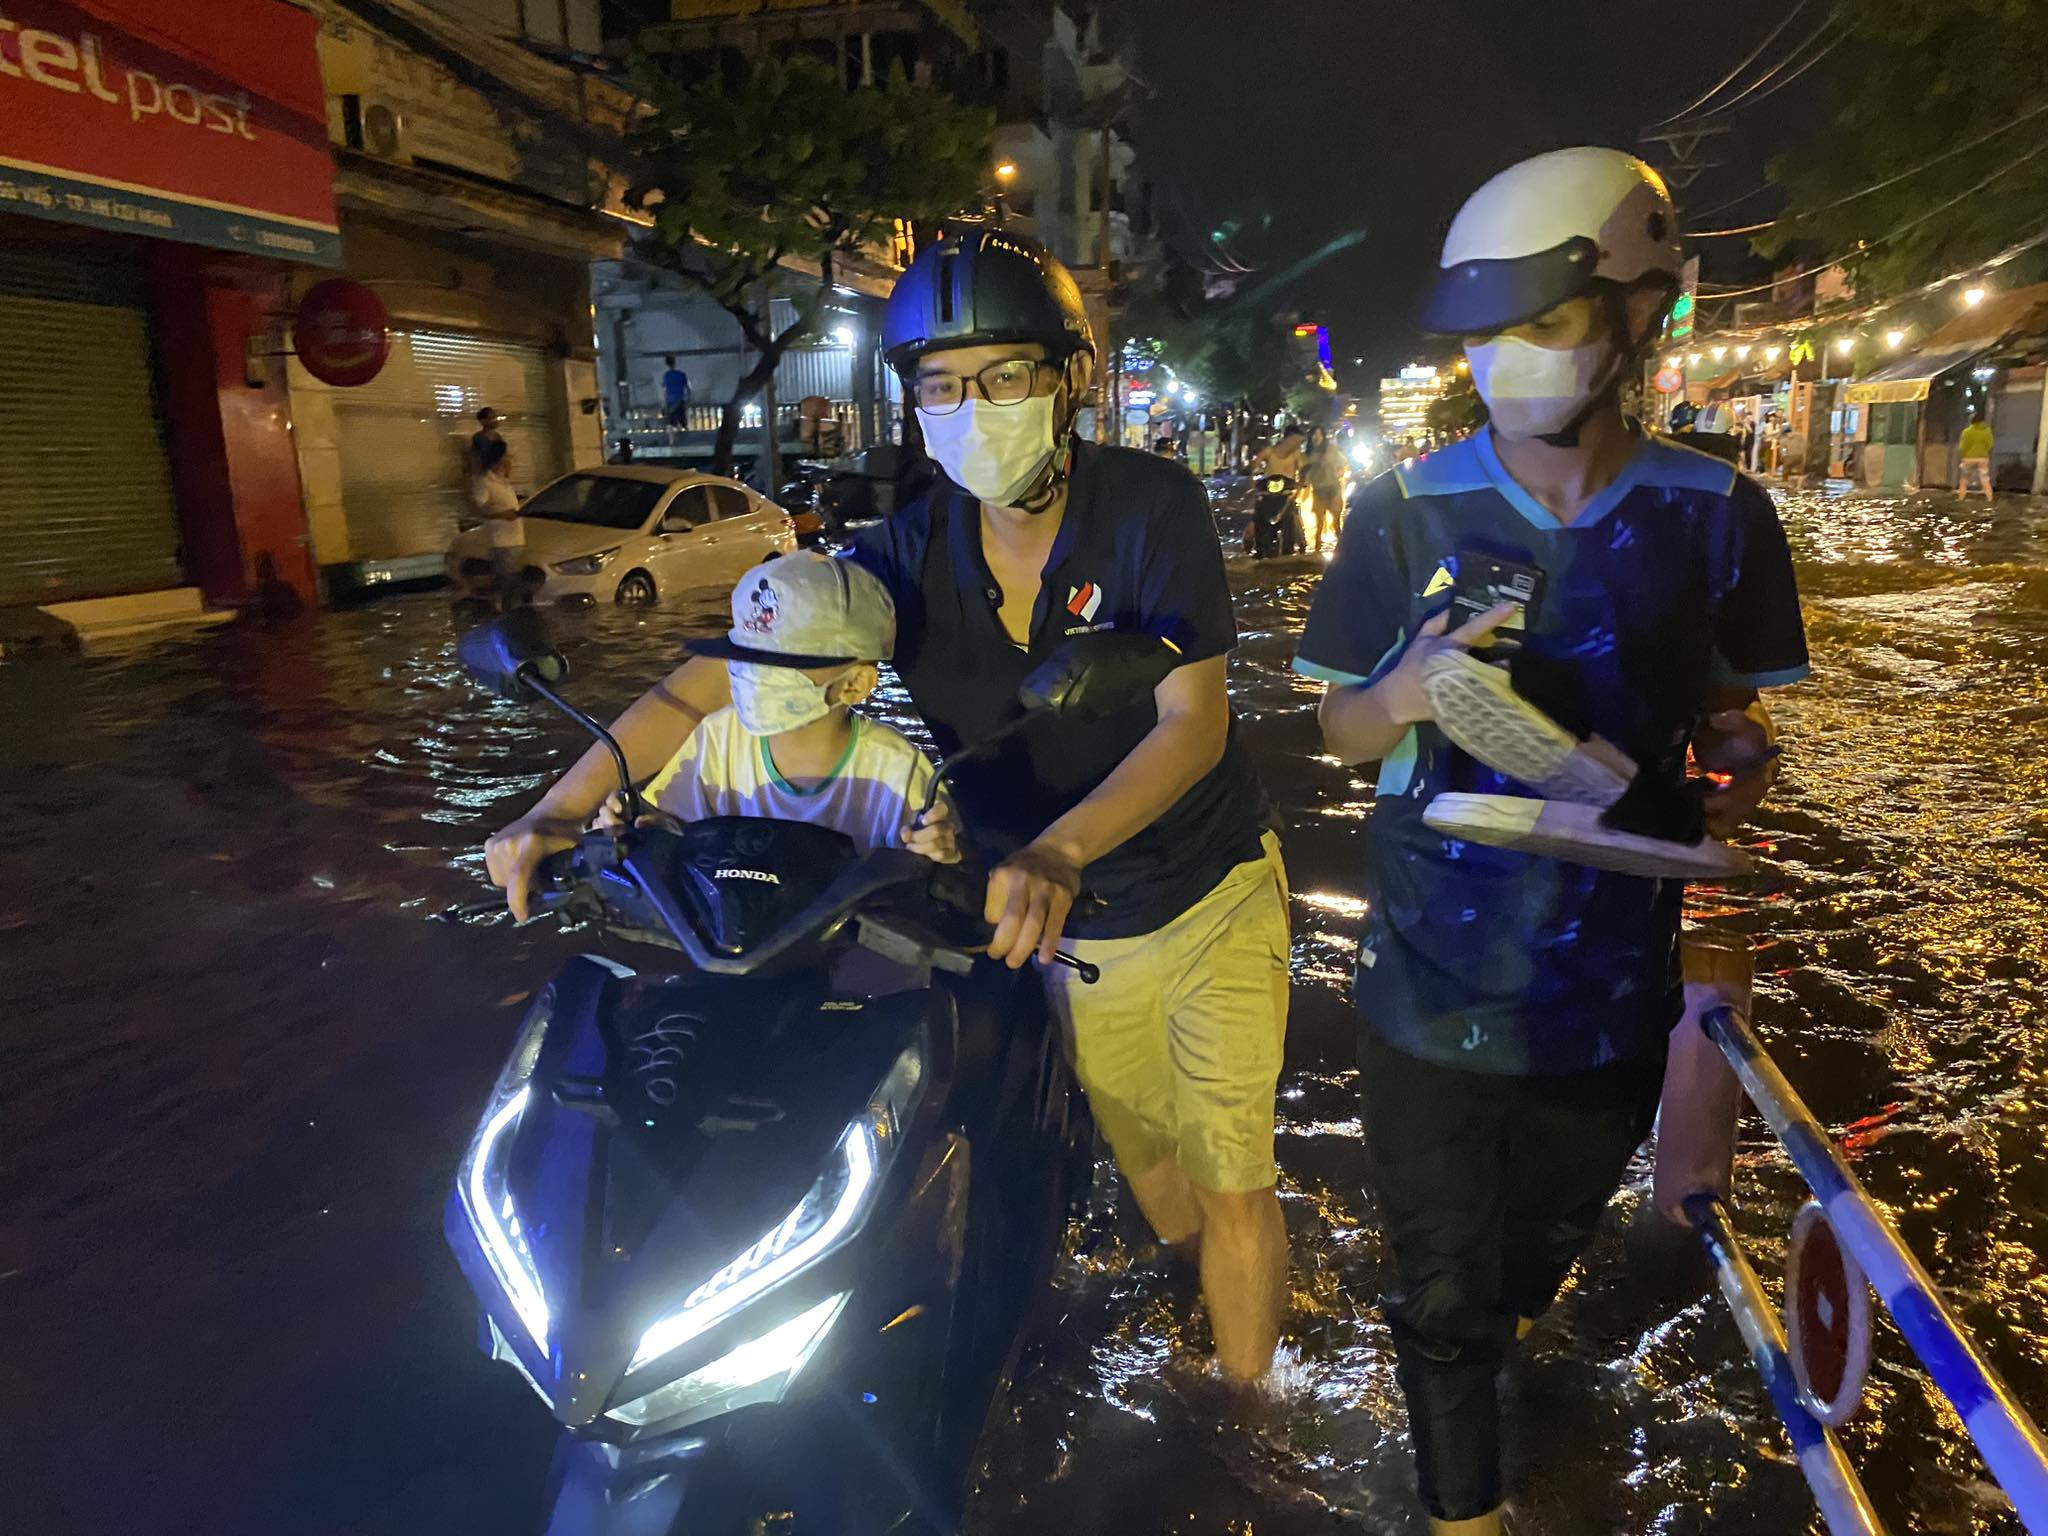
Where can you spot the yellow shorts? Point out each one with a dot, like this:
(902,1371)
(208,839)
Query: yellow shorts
(1179,1044)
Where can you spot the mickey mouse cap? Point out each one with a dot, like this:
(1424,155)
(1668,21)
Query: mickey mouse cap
(807,610)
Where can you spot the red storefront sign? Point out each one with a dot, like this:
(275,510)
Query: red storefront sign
(204,123)
(341,333)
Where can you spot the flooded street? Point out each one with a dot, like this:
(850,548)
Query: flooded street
(243,1062)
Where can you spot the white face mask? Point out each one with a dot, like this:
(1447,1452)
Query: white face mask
(1530,390)
(770,700)
(993,451)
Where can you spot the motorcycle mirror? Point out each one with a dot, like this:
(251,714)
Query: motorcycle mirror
(507,654)
(1093,675)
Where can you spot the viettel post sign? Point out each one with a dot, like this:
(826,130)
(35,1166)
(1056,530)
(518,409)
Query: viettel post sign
(201,122)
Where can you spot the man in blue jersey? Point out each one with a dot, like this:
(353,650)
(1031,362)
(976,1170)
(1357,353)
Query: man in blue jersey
(1516,1009)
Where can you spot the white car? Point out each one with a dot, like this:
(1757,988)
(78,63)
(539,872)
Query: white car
(631,533)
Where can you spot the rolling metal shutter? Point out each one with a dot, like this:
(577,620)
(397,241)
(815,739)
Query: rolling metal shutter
(404,436)
(86,506)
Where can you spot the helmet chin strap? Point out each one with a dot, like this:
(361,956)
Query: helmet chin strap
(1050,483)
(1608,391)
(1604,395)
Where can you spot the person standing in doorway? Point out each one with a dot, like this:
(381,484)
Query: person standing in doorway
(1975,452)
(675,394)
(490,489)
(1516,1009)
(1324,464)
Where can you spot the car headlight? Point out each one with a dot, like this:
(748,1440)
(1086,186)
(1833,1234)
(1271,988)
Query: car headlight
(829,1214)
(587,565)
(482,1180)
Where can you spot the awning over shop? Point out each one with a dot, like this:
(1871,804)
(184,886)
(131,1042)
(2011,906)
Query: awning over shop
(1909,378)
(2018,311)
(115,114)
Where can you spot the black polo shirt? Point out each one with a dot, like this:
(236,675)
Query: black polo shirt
(1136,551)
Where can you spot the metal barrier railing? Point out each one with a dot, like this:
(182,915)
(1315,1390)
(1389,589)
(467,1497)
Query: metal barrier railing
(2007,1438)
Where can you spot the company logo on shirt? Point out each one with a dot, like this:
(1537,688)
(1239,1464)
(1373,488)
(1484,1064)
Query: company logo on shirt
(1084,601)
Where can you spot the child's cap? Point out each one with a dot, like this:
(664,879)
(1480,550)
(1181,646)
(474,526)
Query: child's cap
(807,610)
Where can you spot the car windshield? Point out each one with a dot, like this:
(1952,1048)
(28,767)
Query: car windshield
(600,501)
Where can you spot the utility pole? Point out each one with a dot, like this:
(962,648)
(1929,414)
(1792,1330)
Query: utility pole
(1109,421)
(771,437)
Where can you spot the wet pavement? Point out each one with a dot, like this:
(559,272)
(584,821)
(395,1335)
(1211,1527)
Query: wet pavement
(242,1062)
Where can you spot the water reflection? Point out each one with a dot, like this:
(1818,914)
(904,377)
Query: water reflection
(243,1063)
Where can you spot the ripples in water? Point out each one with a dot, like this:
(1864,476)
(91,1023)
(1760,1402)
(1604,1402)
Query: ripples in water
(243,1064)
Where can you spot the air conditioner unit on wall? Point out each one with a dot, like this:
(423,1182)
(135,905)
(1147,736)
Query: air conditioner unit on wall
(384,133)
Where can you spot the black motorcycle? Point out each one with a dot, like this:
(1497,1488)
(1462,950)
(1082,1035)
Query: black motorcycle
(1274,528)
(764,1243)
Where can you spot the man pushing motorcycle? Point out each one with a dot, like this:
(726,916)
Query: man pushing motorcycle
(1153,811)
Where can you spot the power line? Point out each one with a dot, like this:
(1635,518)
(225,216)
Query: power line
(1728,79)
(1982,138)
(1875,186)
(1708,213)
(1791,55)
(1890,234)
(1740,229)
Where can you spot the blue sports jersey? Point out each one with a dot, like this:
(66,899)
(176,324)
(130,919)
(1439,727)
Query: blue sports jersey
(1674,578)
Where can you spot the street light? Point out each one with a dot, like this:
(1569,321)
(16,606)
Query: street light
(1693,359)
(1893,338)
(1771,354)
(1673,360)
(1742,352)
(1006,171)
(1719,353)
(1844,344)
(844,335)
(1972,297)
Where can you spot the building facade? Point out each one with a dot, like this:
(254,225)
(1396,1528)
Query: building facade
(162,190)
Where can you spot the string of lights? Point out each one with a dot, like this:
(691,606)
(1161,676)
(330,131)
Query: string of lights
(1856,317)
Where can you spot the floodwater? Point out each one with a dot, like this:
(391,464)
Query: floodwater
(241,1063)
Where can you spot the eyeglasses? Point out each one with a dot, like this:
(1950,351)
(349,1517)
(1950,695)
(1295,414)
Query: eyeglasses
(1006,383)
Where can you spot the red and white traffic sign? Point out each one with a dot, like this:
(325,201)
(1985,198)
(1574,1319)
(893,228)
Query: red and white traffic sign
(1827,1318)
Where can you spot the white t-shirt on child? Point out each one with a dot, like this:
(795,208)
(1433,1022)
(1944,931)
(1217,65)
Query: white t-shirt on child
(872,793)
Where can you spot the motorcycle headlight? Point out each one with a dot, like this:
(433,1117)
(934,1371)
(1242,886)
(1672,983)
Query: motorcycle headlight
(757,1369)
(587,565)
(482,1180)
(831,1213)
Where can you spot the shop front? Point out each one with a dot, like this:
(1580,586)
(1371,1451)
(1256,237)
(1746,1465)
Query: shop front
(153,208)
(473,218)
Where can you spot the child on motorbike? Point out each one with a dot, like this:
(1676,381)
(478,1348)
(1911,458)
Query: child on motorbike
(807,634)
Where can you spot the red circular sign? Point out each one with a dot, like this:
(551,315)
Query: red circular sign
(1827,1318)
(1670,380)
(341,332)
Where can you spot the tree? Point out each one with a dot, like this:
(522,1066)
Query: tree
(778,162)
(1914,86)
(1457,411)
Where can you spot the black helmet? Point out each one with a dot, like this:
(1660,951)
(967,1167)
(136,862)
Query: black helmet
(981,288)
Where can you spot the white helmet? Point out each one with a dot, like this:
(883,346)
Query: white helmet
(1545,231)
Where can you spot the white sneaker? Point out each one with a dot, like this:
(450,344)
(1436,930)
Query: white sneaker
(1477,708)
(1573,832)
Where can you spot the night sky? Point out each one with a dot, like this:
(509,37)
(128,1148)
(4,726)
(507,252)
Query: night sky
(1327,116)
